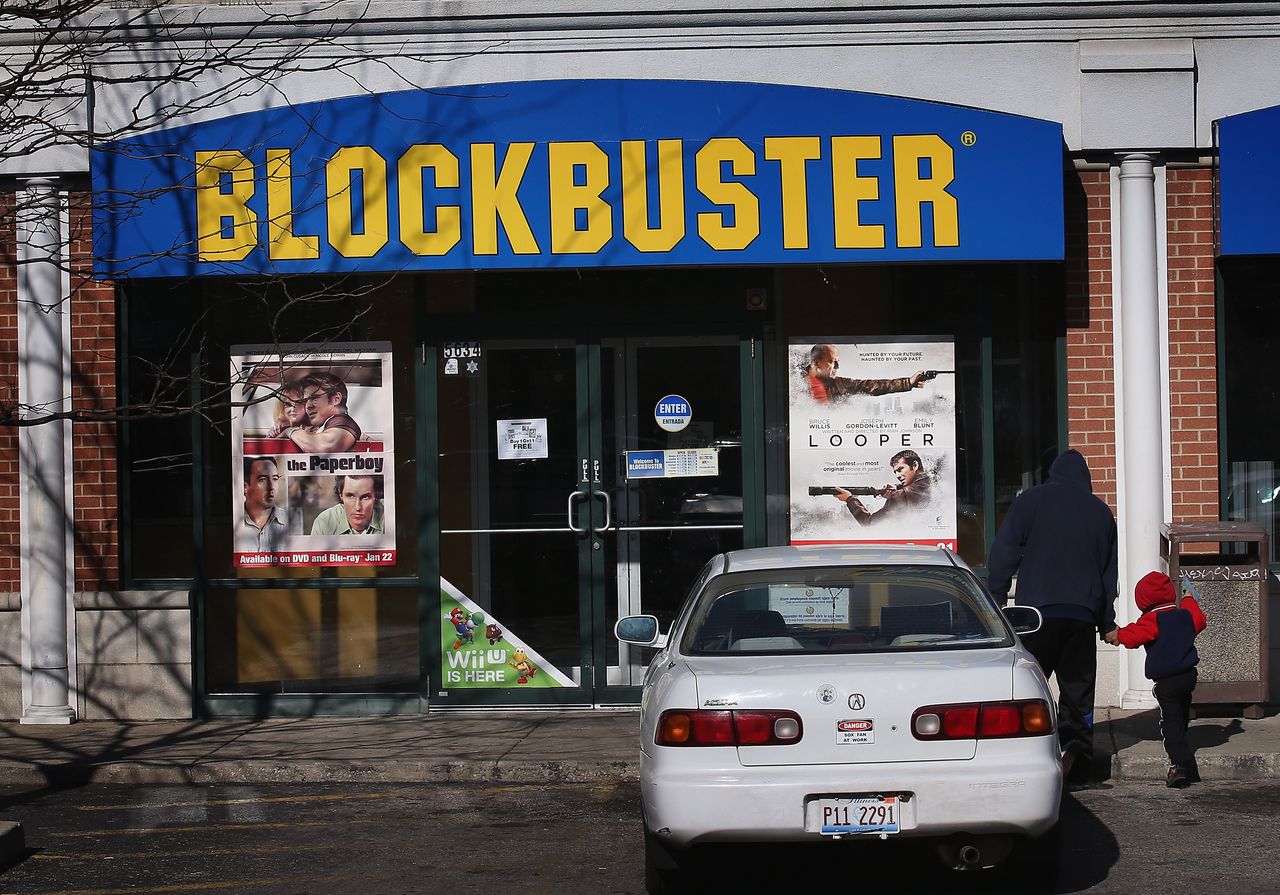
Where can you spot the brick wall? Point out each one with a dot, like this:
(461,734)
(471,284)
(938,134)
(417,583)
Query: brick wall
(1090,349)
(93,361)
(93,386)
(10,545)
(1192,345)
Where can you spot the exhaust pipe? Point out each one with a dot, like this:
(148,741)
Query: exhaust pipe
(970,857)
(974,852)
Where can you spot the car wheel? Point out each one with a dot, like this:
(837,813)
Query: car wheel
(665,869)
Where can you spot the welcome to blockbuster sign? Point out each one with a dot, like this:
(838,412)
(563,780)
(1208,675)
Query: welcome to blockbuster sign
(580,174)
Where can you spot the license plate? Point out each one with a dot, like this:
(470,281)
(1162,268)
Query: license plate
(842,817)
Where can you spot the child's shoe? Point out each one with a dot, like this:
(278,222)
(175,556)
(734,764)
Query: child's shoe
(1176,778)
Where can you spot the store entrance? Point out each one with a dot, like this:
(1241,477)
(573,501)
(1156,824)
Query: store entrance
(580,480)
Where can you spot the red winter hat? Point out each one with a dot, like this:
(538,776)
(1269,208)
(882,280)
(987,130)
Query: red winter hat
(1153,589)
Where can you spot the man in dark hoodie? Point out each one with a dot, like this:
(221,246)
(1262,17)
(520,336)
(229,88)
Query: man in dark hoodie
(1060,540)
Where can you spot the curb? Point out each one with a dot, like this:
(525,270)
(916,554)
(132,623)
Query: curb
(265,772)
(1245,766)
(12,843)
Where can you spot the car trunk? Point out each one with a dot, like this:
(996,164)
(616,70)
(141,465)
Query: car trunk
(891,688)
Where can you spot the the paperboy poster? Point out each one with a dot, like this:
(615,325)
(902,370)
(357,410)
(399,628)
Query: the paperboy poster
(873,442)
(313,467)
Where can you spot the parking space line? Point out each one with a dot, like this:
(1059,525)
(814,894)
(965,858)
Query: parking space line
(180,887)
(204,828)
(193,853)
(332,797)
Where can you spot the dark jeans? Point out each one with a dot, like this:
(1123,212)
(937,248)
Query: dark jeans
(1068,648)
(1174,695)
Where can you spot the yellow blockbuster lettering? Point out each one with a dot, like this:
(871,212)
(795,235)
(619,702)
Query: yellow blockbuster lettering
(493,198)
(372,194)
(912,190)
(793,153)
(282,243)
(219,213)
(848,189)
(413,233)
(635,196)
(746,207)
(567,198)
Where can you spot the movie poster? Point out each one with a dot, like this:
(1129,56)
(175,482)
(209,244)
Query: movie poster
(873,442)
(313,472)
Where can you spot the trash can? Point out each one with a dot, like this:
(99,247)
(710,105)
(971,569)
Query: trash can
(1232,584)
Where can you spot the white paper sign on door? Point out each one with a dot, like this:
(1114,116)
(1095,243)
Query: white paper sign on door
(522,439)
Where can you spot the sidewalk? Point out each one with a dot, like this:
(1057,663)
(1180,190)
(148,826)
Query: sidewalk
(507,747)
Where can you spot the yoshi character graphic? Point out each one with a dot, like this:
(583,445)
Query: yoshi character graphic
(463,626)
(520,662)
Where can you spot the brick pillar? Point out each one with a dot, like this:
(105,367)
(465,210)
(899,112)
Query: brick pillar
(1090,347)
(1193,360)
(93,388)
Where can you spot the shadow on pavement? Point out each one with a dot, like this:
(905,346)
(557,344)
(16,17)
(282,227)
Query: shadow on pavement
(1074,861)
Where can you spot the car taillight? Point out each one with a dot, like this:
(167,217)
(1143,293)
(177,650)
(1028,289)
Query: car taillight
(753,727)
(982,720)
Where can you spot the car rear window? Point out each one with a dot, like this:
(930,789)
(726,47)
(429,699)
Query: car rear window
(844,610)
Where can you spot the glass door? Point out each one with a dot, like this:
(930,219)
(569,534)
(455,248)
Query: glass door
(515,510)
(579,481)
(672,445)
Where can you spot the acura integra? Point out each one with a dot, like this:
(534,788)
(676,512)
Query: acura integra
(843,693)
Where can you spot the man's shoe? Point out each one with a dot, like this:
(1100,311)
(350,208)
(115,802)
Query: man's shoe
(1176,778)
(1069,756)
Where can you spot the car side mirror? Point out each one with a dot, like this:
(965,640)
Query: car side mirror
(640,630)
(1025,619)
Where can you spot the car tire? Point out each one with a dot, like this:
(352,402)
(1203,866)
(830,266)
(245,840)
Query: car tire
(666,869)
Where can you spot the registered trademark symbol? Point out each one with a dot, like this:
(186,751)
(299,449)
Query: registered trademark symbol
(968,138)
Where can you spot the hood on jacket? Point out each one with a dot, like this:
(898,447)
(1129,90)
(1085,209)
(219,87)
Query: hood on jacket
(1070,469)
(1154,588)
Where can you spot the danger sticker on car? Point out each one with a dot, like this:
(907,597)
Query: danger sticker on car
(855,732)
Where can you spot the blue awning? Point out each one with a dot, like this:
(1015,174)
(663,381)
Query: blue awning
(592,173)
(1249,182)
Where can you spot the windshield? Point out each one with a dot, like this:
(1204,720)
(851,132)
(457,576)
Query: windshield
(844,610)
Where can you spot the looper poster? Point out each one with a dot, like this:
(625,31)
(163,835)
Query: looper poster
(313,472)
(873,442)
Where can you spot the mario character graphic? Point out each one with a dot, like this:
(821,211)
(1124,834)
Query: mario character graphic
(520,662)
(463,626)
(493,632)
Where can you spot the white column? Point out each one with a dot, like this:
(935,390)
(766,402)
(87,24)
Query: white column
(1142,505)
(40,452)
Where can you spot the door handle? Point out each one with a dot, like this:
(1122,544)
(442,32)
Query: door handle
(608,511)
(574,497)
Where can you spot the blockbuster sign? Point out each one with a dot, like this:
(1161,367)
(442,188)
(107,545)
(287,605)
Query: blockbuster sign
(598,173)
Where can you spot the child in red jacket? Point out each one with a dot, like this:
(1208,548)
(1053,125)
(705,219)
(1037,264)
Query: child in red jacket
(1168,629)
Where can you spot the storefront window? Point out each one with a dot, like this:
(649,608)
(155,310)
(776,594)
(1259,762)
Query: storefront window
(312,640)
(1251,333)
(1012,310)
(156,320)
(327,638)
